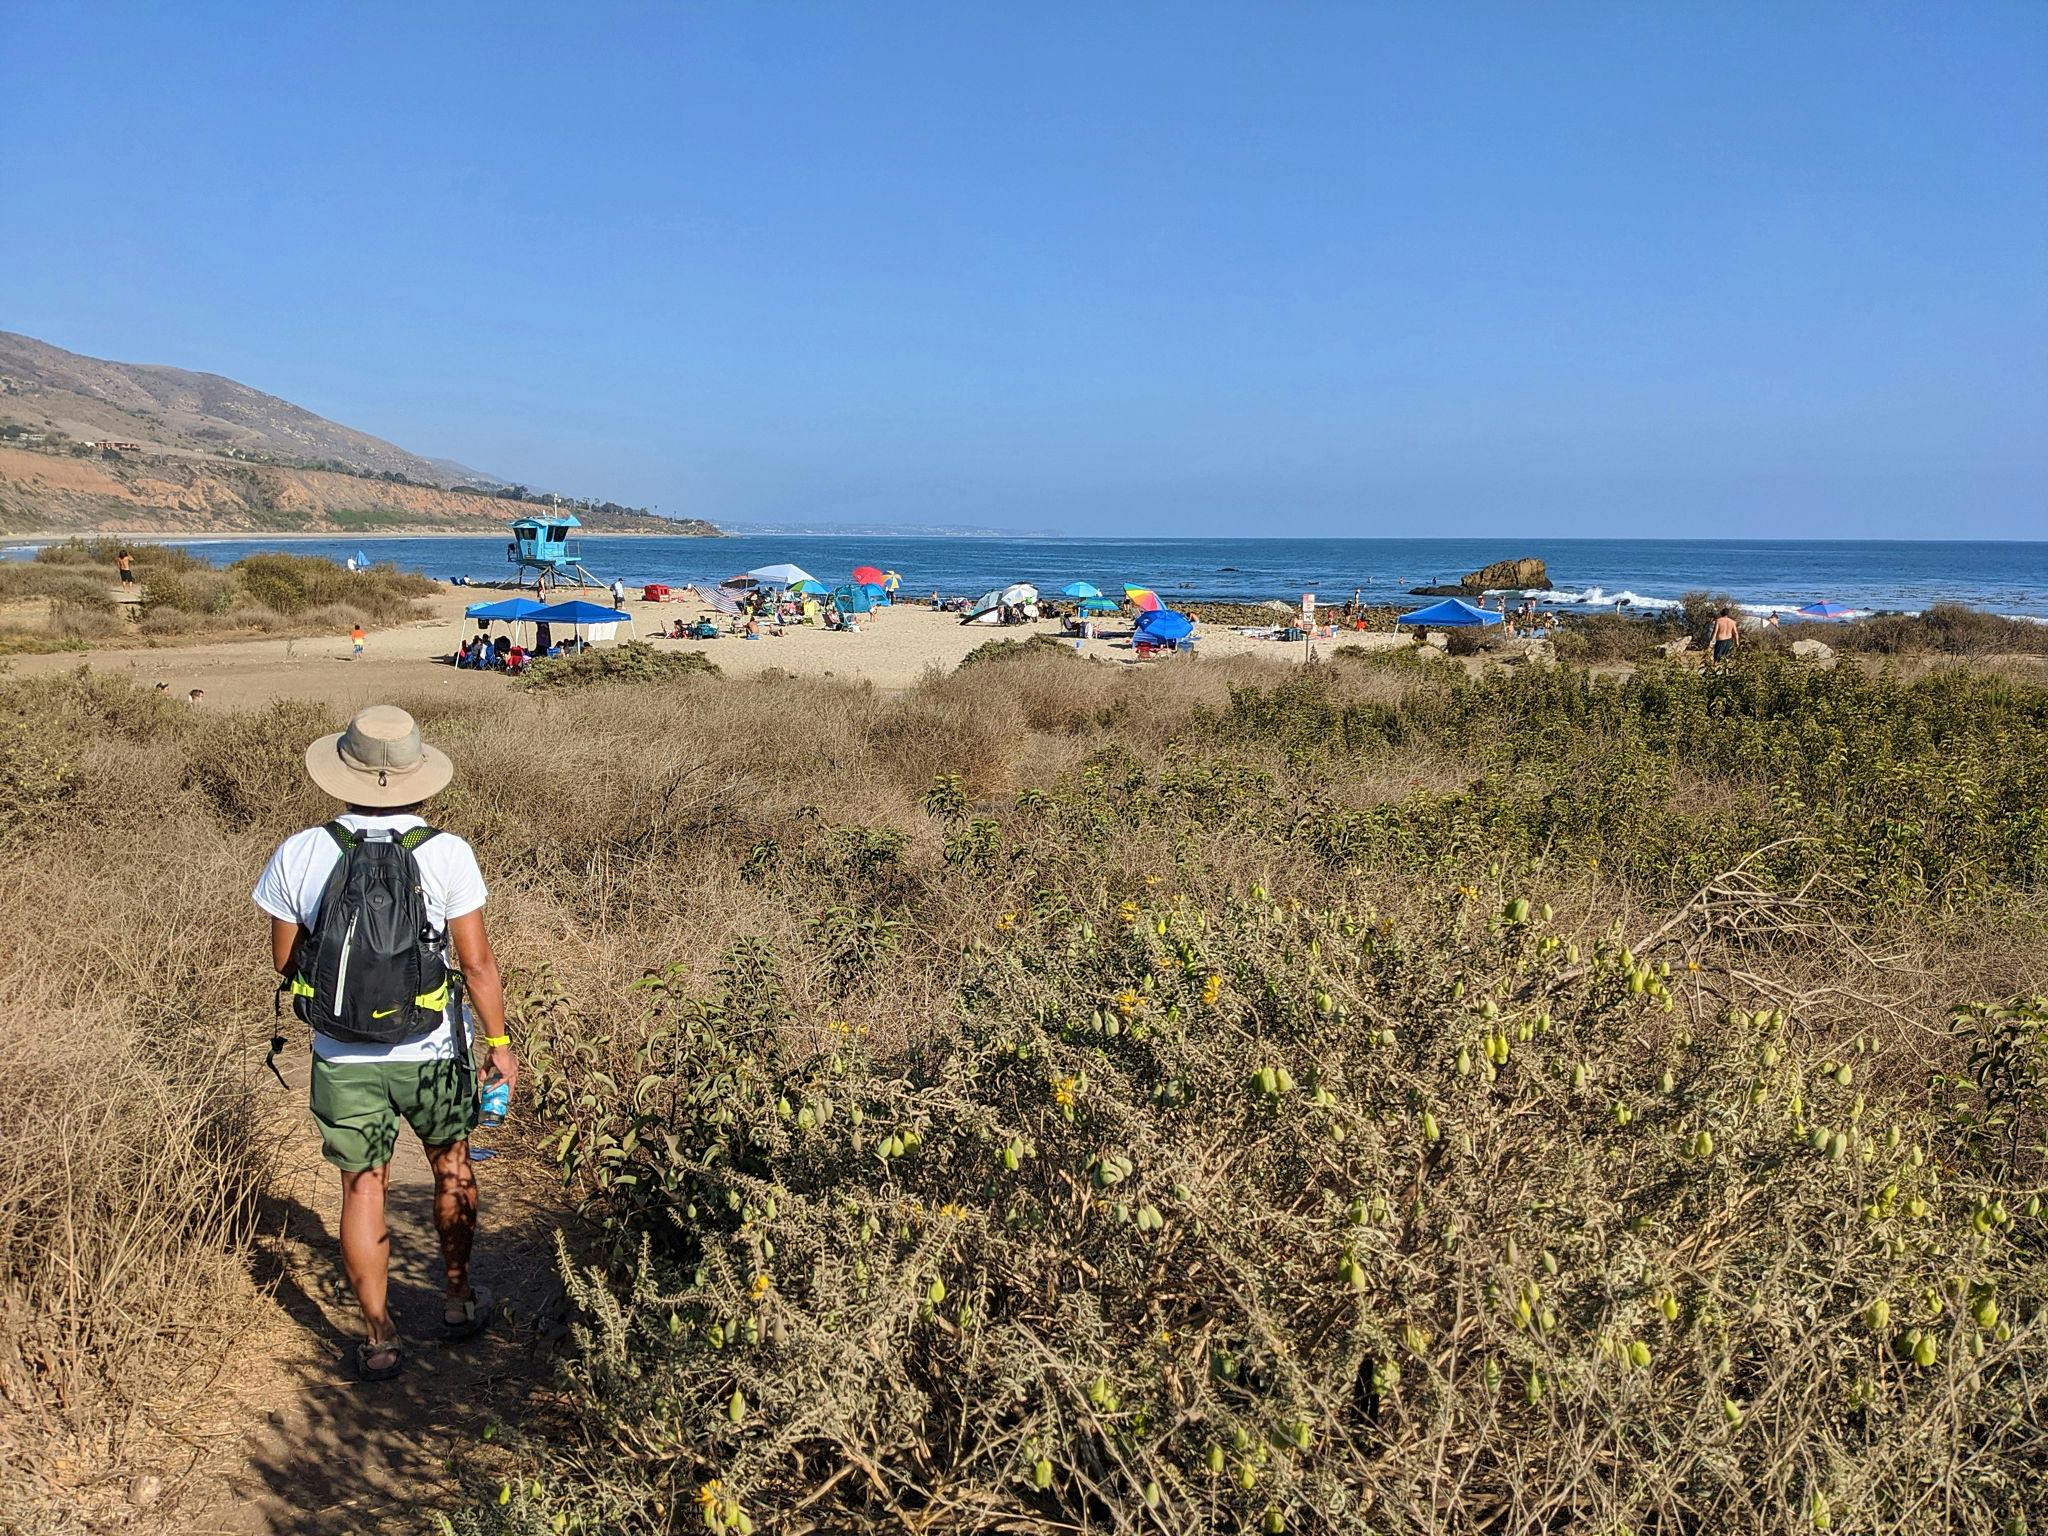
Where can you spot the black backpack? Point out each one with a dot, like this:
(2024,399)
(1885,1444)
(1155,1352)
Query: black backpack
(373,971)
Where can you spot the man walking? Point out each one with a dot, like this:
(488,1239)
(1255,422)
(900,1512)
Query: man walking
(390,897)
(1724,636)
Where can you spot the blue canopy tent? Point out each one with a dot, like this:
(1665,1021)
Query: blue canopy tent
(852,600)
(1162,626)
(508,610)
(1452,612)
(579,613)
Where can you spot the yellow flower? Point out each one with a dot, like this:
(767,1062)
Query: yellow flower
(1692,965)
(1128,911)
(1212,988)
(1166,1336)
(1006,922)
(1153,879)
(1063,1090)
(1129,1003)
(760,1286)
(1593,862)
(707,1495)
(952,1210)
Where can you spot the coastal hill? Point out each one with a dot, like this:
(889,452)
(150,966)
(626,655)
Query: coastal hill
(92,445)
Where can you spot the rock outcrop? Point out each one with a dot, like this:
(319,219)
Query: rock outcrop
(1815,652)
(1525,575)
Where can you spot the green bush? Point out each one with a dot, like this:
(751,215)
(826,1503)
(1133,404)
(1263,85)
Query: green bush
(1273,1136)
(1011,650)
(634,662)
(1946,629)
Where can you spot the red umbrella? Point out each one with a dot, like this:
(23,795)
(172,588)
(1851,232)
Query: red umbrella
(868,576)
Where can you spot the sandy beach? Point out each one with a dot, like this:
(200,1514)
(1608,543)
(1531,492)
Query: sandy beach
(891,652)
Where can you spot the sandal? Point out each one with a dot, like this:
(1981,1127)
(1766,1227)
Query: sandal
(476,1314)
(366,1352)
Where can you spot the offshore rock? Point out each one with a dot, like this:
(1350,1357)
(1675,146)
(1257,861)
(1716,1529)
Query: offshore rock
(1526,575)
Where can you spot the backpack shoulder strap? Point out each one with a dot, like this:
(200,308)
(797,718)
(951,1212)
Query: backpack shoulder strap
(412,837)
(343,838)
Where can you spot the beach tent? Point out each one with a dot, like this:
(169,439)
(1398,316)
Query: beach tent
(988,608)
(876,595)
(852,600)
(784,575)
(510,610)
(1163,626)
(1080,589)
(1451,613)
(1824,610)
(603,621)
(1143,597)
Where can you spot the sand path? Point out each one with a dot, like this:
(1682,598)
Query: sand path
(318,1452)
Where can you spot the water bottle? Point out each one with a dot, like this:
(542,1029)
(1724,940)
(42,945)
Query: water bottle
(497,1104)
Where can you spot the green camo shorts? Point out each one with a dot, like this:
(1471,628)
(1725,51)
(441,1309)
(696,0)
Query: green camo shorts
(358,1107)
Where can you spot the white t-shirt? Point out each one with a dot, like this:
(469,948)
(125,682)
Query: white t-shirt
(295,880)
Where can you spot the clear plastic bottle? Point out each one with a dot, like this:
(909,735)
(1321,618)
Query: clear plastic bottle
(496,1105)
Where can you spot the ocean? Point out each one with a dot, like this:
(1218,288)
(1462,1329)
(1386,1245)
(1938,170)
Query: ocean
(1903,576)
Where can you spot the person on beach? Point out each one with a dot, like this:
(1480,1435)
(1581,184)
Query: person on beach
(125,564)
(356,639)
(351,565)
(363,1082)
(618,592)
(1723,636)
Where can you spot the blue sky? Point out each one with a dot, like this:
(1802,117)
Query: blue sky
(1579,269)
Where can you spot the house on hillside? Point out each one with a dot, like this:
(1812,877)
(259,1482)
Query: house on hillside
(110,449)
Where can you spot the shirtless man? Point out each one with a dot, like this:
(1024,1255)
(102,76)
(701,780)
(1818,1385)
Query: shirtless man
(1724,635)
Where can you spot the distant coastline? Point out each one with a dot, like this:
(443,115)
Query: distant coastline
(316,535)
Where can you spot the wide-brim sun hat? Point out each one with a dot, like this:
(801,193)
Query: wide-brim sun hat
(379,761)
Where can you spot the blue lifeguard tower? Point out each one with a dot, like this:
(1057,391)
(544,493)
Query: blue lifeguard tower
(543,545)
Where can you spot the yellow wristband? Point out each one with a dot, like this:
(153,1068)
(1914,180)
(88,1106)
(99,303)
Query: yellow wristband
(494,1041)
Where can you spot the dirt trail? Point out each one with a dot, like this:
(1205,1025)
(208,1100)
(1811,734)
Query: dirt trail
(317,1450)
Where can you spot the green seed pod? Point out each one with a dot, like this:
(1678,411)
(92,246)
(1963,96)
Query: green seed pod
(736,1406)
(1041,1474)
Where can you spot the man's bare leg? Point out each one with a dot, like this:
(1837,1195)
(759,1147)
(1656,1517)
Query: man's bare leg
(366,1254)
(455,1200)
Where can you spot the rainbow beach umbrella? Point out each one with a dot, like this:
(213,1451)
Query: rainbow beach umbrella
(1143,598)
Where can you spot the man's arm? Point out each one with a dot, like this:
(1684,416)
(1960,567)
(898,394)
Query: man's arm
(486,993)
(284,937)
